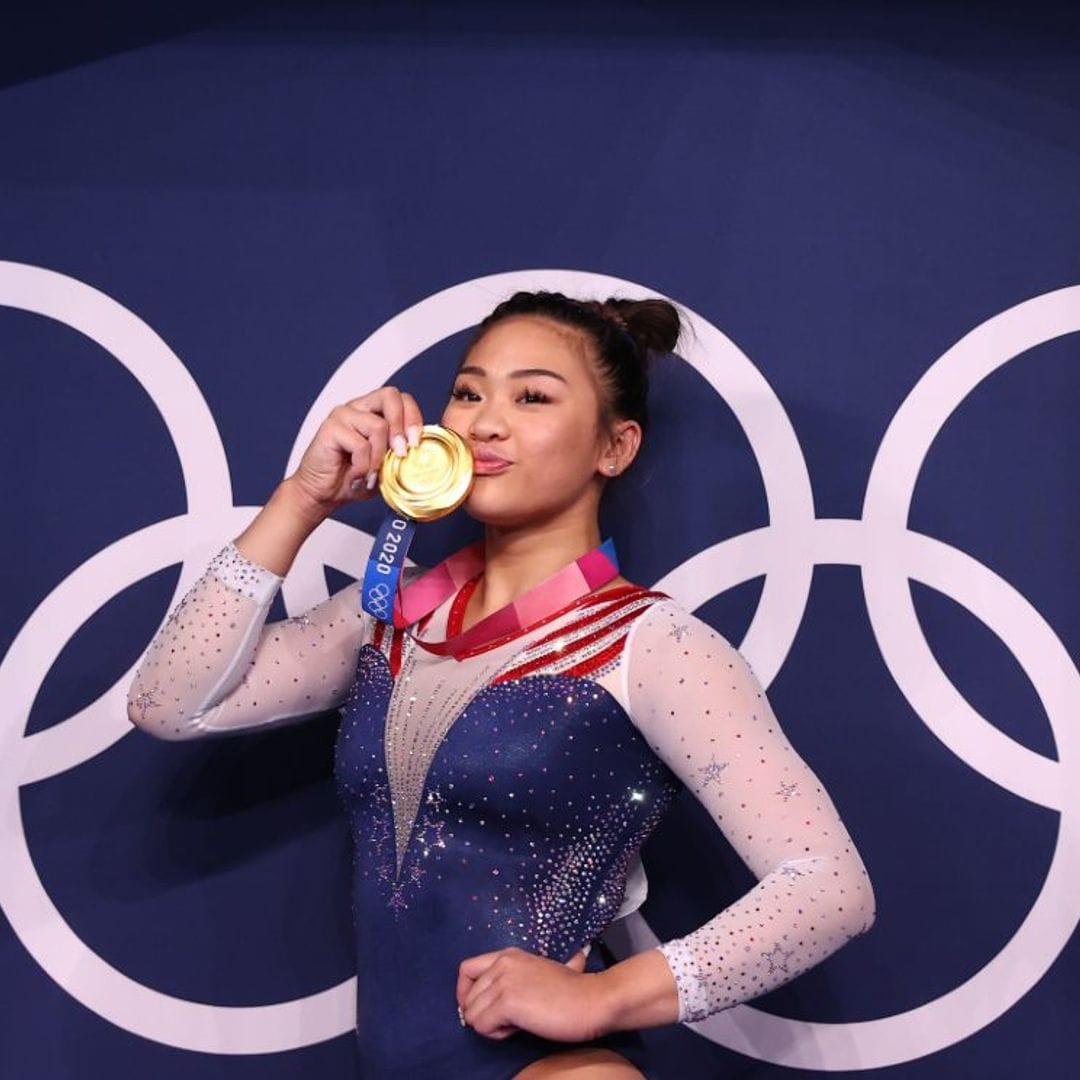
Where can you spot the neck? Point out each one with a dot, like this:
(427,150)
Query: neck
(517,560)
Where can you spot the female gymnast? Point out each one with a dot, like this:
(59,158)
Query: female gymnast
(502,757)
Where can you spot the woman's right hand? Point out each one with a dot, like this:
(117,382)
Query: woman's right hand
(342,463)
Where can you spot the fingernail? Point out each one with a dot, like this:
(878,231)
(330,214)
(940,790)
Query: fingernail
(413,432)
(461,1016)
(398,443)
(358,483)
(586,947)
(372,478)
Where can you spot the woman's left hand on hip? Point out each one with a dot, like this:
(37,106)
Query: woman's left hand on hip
(510,989)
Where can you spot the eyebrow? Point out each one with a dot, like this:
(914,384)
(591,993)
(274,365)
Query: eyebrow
(472,369)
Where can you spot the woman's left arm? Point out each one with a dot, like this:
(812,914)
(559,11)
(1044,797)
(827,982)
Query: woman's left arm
(705,714)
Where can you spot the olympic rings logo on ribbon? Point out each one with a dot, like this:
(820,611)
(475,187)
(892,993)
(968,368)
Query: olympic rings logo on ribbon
(888,553)
(378,597)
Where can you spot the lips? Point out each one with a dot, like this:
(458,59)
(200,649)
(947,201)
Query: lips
(487,463)
(489,466)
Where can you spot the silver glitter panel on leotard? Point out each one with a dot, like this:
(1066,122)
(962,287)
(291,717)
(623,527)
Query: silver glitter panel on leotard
(424,702)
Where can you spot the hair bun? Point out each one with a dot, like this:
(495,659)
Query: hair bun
(654,324)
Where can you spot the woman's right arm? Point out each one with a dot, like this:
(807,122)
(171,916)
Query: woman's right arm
(216,667)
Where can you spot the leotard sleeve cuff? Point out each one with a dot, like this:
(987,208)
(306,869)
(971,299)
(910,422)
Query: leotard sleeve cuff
(244,576)
(694,999)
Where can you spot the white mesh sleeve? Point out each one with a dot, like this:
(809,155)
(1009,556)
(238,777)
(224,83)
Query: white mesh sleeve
(216,667)
(704,713)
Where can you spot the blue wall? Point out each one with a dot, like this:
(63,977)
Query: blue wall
(205,215)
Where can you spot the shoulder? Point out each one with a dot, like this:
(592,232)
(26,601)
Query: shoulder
(666,629)
(676,663)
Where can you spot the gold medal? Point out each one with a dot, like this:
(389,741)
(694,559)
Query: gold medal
(433,479)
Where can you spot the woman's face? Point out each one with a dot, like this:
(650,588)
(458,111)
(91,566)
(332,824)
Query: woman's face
(527,393)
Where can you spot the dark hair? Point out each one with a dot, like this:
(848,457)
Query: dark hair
(626,336)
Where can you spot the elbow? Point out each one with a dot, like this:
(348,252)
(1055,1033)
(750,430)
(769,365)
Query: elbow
(141,705)
(150,714)
(850,893)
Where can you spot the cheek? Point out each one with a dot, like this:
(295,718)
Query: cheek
(560,448)
(455,418)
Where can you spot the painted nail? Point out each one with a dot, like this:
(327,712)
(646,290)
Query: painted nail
(372,478)
(398,442)
(413,432)
(357,484)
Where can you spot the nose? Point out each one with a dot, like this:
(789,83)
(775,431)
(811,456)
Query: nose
(488,421)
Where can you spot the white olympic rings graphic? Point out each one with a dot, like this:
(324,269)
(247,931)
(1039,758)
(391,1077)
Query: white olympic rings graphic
(880,543)
(378,598)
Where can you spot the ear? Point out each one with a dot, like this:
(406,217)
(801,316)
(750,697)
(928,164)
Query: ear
(622,445)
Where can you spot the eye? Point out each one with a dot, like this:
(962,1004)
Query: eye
(461,392)
(529,396)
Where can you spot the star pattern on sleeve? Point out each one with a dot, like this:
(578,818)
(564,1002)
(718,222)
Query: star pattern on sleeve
(777,958)
(145,700)
(712,771)
(705,714)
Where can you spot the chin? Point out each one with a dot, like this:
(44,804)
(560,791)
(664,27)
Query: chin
(487,516)
(495,511)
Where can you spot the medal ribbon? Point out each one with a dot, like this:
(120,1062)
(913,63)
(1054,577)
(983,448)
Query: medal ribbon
(384,565)
(587,572)
(381,593)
